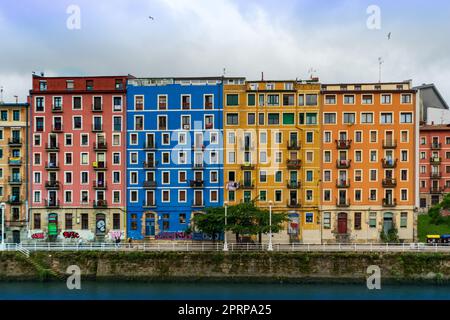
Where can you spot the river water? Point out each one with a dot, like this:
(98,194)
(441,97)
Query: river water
(217,291)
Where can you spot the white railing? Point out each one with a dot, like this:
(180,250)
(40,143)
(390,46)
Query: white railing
(195,247)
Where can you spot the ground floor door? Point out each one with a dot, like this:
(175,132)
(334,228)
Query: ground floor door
(149,225)
(16,236)
(342,223)
(388,223)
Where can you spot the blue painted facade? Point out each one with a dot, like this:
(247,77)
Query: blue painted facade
(159,199)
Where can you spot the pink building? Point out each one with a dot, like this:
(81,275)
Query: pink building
(434,165)
(77,174)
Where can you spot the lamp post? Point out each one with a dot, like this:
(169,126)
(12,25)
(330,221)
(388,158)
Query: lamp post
(269,247)
(225,242)
(2,206)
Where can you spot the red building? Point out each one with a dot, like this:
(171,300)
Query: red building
(77,156)
(434,164)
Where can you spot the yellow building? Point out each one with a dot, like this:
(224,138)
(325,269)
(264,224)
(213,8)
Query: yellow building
(13,168)
(272,151)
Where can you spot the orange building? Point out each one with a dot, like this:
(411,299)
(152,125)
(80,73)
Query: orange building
(369,151)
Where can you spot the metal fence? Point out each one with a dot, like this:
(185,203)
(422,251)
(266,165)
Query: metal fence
(234,247)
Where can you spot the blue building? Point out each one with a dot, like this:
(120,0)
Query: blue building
(174,153)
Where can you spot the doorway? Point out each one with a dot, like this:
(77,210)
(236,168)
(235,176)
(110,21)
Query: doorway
(342,223)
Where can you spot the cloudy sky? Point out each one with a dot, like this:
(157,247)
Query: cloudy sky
(283,39)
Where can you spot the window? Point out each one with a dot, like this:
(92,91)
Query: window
(261,119)
(311,99)
(309,217)
(117,126)
(273,100)
(162,123)
(358,175)
(262,195)
(288,99)
(406,98)
(406,117)
(358,220)
(68,221)
(301,99)
(327,195)
(37,221)
(403,219)
(372,219)
(288,119)
(349,99)
(251,119)
(117,103)
(330,99)
(358,136)
(366,117)
(39,104)
(208,101)
(329,118)
(327,220)
(16,115)
(367,99)
(273,118)
(349,118)
(309,137)
(232,119)
(162,102)
(386,118)
(232,100)
(77,123)
(251,99)
(84,221)
(385,99)
(278,195)
(139,123)
(185,101)
(139,102)
(311,118)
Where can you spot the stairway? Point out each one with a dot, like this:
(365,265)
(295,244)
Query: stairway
(43,271)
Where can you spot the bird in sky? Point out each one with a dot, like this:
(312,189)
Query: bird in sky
(389,35)
(151,18)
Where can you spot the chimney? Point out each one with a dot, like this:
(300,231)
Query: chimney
(262,76)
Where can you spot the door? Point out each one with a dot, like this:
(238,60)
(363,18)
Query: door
(149,225)
(389,138)
(16,236)
(198,140)
(293,139)
(293,177)
(342,223)
(198,198)
(247,196)
(247,178)
(387,222)
(101,179)
(100,224)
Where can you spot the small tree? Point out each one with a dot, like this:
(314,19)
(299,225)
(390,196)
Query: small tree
(263,221)
(212,222)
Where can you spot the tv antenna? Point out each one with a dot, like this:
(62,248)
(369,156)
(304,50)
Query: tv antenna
(311,72)
(380,63)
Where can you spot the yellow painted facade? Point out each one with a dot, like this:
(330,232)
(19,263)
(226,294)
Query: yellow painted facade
(13,168)
(272,151)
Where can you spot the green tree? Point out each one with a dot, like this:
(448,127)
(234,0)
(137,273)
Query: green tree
(211,222)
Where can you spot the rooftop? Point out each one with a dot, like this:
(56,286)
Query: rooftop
(435,127)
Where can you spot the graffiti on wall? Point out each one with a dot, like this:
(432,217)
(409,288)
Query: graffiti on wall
(173,236)
(38,235)
(71,235)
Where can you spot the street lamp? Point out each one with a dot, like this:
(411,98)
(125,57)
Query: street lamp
(225,242)
(269,247)
(2,206)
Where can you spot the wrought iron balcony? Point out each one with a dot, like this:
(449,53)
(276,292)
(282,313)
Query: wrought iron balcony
(100,146)
(52,185)
(15,162)
(57,109)
(343,202)
(389,163)
(436,146)
(436,190)
(293,203)
(247,185)
(293,145)
(343,144)
(343,164)
(292,184)
(294,164)
(15,142)
(198,166)
(247,166)
(435,160)
(389,202)
(150,164)
(15,180)
(197,183)
(52,165)
(15,200)
(149,184)
(52,204)
(53,146)
(100,203)
(100,184)
(389,183)
(343,183)
(99,165)
(435,175)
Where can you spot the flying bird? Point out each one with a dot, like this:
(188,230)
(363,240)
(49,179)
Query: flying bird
(151,18)
(389,35)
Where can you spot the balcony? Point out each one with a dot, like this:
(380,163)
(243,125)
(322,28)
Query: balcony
(343,144)
(99,165)
(100,185)
(293,164)
(343,183)
(389,183)
(292,184)
(100,146)
(149,184)
(100,203)
(53,146)
(52,185)
(198,204)
(14,200)
(97,107)
(15,161)
(343,202)
(247,185)
(389,203)
(436,190)
(149,204)
(52,166)
(52,204)
(343,164)
(15,142)
(293,145)
(149,145)
(150,164)
(57,128)
(15,180)
(389,163)
(435,160)
(198,166)
(436,146)
(293,203)
(57,109)
(435,175)
(97,128)
(247,166)
(197,183)
(389,144)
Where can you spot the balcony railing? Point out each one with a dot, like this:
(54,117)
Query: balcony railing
(15,180)
(15,199)
(149,203)
(247,185)
(100,203)
(436,190)
(389,202)
(343,144)
(57,128)
(100,146)
(150,184)
(15,161)
(435,160)
(57,109)
(435,175)
(150,164)
(436,146)
(149,145)
(99,165)
(52,185)
(52,165)
(343,202)
(197,204)
(52,204)
(293,203)
(343,183)
(198,166)
(15,142)
(294,164)
(293,145)
(97,128)
(247,166)
(99,184)
(389,163)
(343,164)
(389,183)
(390,144)
(53,146)
(197,183)
(292,184)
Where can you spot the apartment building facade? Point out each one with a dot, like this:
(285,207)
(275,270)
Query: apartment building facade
(369,153)
(174,146)
(272,156)
(77,158)
(434,164)
(14,126)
